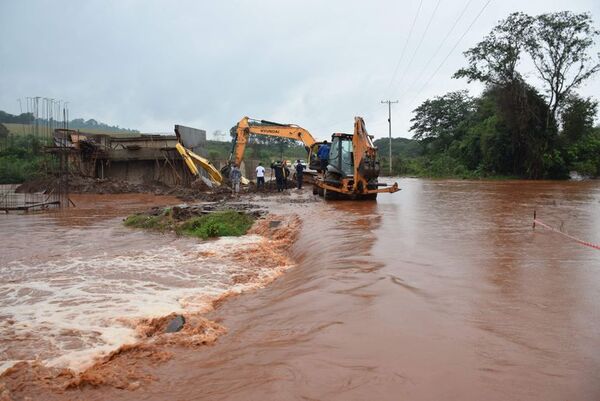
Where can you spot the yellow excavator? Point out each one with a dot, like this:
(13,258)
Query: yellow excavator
(193,160)
(247,126)
(190,158)
(352,171)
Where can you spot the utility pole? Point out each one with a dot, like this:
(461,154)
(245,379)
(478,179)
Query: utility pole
(389,103)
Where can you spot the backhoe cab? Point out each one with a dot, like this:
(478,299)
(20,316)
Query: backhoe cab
(353,169)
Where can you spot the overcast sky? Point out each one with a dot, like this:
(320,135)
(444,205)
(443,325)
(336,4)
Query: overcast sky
(151,64)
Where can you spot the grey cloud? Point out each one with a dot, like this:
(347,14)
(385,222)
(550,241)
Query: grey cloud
(151,64)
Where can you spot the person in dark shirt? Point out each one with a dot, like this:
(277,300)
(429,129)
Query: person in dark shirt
(299,173)
(278,170)
(286,174)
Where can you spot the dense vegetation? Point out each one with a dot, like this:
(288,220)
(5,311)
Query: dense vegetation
(21,157)
(513,128)
(225,223)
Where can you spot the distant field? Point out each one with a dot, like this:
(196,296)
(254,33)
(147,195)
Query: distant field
(24,129)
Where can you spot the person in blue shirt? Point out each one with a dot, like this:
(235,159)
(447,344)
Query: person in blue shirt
(299,173)
(323,155)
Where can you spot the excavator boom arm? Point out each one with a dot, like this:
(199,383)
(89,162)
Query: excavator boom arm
(246,127)
(190,158)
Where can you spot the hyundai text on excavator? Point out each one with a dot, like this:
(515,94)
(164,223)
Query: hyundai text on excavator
(352,171)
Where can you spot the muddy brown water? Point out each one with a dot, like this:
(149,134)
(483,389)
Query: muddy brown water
(441,291)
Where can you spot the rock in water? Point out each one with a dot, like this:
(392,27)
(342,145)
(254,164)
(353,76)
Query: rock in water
(176,324)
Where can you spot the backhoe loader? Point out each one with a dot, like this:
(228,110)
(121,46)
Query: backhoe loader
(353,169)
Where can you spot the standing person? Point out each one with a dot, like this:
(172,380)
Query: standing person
(299,173)
(260,177)
(286,174)
(323,155)
(276,166)
(235,176)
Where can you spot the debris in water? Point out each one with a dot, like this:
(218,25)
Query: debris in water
(175,325)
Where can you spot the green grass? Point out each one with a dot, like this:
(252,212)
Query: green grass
(162,222)
(228,223)
(219,224)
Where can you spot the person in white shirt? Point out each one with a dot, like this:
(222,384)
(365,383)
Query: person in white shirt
(260,176)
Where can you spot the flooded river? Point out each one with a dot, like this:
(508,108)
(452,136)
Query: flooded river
(441,291)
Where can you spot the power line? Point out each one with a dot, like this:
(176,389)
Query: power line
(440,45)
(437,50)
(406,44)
(420,42)
(451,50)
(404,50)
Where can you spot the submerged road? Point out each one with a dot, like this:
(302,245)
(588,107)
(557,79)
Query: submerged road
(441,291)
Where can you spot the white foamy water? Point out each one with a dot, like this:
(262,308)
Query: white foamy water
(65,302)
(67,310)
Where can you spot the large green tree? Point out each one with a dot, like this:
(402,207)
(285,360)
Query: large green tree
(560,46)
(438,121)
(494,60)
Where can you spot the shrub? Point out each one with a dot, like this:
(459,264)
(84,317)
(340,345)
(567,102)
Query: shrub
(218,224)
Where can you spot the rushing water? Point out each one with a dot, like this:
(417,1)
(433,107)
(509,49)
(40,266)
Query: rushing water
(73,283)
(441,291)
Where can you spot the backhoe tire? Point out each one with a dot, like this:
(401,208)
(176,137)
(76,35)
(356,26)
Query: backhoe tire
(329,195)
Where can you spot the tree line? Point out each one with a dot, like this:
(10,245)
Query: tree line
(515,128)
(77,123)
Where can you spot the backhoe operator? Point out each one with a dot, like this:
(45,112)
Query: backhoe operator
(323,155)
